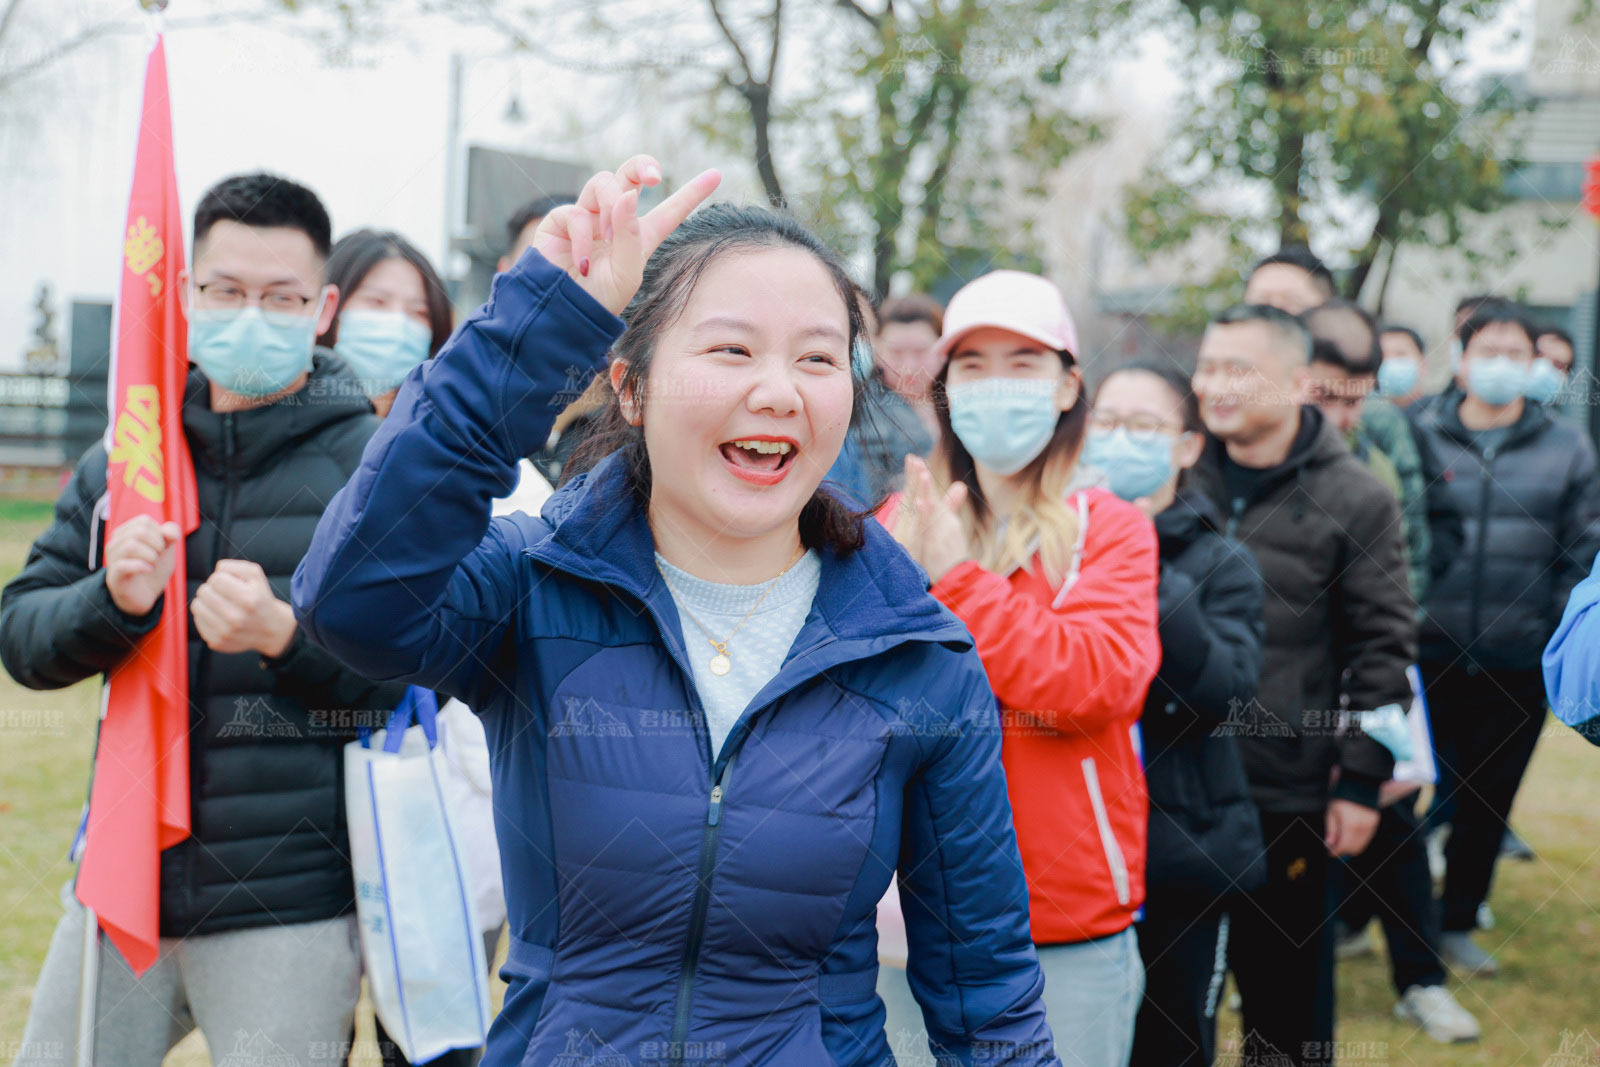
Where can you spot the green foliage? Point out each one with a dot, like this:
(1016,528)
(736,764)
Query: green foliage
(1348,121)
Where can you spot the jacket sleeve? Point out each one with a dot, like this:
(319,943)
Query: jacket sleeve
(58,623)
(1579,533)
(313,677)
(1210,642)
(1375,636)
(407,578)
(1088,663)
(972,964)
(1572,660)
(1407,459)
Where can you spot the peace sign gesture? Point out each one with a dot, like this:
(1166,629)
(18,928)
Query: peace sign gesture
(602,242)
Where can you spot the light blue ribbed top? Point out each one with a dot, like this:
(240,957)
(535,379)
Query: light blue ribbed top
(760,646)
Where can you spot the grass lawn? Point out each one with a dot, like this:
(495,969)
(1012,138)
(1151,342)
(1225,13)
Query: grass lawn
(1548,912)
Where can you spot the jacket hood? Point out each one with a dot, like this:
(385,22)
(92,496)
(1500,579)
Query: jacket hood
(1317,444)
(1445,414)
(330,395)
(876,593)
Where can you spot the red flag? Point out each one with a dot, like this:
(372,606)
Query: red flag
(1591,187)
(139,799)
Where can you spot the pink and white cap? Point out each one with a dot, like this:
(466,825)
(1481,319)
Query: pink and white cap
(1011,300)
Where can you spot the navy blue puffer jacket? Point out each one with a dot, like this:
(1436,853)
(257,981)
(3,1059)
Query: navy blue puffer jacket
(668,907)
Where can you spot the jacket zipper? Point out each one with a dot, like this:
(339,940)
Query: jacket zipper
(224,516)
(1483,532)
(1108,840)
(711,834)
(1234,516)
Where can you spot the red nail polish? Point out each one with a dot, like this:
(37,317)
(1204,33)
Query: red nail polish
(583,266)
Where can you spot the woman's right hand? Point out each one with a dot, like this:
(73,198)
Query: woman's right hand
(603,243)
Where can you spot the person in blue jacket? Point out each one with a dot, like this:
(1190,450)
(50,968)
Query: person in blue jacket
(721,707)
(1571,660)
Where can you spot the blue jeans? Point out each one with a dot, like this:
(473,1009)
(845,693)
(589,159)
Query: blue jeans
(1092,992)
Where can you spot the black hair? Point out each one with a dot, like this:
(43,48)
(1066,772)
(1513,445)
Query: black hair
(1302,257)
(1559,334)
(1182,387)
(1291,328)
(355,256)
(1173,378)
(1476,300)
(1394,327)
(670,276)
(537,208)
(1496,311)
(1344,335)
(910,309)
(264,200)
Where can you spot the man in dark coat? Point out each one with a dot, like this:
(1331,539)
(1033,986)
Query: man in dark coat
(1340,633)
(1526,485)
(258,939)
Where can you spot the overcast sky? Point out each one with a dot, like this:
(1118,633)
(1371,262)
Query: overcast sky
(368,136)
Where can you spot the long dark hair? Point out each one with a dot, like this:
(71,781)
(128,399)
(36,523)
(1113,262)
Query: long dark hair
(353,258)
(671,274)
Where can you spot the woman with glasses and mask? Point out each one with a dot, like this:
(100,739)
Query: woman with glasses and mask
(1057,583)
(1204,835)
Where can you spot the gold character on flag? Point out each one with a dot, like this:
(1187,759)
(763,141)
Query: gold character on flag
(136,442)
(142,251)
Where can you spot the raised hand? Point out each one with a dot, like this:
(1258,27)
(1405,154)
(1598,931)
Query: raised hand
(602,242)
(929,524)
(139,558)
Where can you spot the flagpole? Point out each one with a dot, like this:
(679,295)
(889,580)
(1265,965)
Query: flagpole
(89,958)
(88,988)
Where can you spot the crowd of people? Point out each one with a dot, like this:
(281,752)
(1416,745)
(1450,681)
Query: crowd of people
(1014,714)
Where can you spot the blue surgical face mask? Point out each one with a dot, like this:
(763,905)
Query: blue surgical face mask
(1496,380)
(249,351)
(1004,422)
(1134,466)
(1544,382)
(381,347)
(1398,377)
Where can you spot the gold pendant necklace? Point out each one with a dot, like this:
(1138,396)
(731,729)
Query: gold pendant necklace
(722,662)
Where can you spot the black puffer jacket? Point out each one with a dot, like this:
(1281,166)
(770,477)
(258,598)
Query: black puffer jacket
(1340,621)
(266,769)
(1532,527)
(1205,834)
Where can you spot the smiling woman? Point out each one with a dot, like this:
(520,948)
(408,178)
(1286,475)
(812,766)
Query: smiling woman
(690,600)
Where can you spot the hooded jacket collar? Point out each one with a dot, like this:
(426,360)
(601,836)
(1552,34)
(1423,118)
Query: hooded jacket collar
(1445,414)
(876,595)
(259,434)
(1317,444)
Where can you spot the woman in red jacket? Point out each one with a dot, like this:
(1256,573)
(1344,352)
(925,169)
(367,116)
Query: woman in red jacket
(1058,585)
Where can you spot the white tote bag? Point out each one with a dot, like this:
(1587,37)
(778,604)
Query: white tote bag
(420,937)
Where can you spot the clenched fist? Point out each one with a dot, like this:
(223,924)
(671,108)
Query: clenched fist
(139,558)
(235,611)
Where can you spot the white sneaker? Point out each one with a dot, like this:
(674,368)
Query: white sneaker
(1437,1012)
(1465,957)
(1356,945)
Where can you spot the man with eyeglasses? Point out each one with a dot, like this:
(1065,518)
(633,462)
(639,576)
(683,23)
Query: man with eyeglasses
(258,938)
(1526,483)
